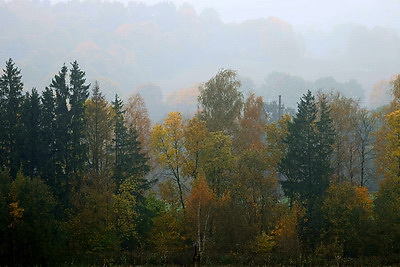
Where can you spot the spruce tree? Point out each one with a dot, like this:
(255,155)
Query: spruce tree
(32,155)
(120,135)
(129,161)
(326,137)
(48,136)
(298,162)
(135,162)
(62,119)
(131,165)
(62,137)
(10,119)
(306,164)
(79,94)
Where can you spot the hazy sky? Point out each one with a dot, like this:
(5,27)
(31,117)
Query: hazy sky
(367,54)
(305,12)
(302,14)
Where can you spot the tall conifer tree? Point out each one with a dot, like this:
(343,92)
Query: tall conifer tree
(306,164)
(129,161)
(10,119)
(62,121)
(79,94)
(131,166)
(32,155)
(48,136)
(120,134)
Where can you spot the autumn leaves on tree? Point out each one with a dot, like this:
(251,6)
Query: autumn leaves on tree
(85,180)
(57,152)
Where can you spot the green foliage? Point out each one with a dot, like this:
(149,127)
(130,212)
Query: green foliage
(120,132)
(91,225)
(147,211)
(129,160)
(169,237)
(10,118)
(93,205)
(125,202)
(257,186)
(387,210)
(167,144)
(28,230)
(5,184)
(79,94)
(349,222)
(221,102)
(62,119)
(32,141)
(306,163)
(218,161)
(195,135)
(234,228)
(66,149)
(48,137)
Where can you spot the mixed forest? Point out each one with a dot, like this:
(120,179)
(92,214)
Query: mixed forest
(85,180)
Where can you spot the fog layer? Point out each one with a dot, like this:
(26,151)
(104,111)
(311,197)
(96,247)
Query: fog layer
(127,46)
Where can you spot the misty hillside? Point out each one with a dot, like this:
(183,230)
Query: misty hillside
(174,48)
(137,134)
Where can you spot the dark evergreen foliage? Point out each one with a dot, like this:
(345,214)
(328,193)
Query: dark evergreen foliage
(48,136)
(120,135)
(74,188)
(129,161)
(10,121)
(32,147)
(62,138)
(79,95)
(306,164)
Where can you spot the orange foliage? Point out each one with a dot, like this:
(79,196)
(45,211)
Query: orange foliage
(252,123)
(16,214)
(200,207)
(285,234)
(201,198)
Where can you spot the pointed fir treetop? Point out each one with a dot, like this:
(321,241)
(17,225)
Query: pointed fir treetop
(80,91)
(118,105)
(307,109)
(11,80)
(59,83)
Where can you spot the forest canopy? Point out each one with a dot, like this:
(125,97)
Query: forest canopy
(85,180)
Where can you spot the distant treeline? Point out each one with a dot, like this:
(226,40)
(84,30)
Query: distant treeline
(125,46)
(86,181)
